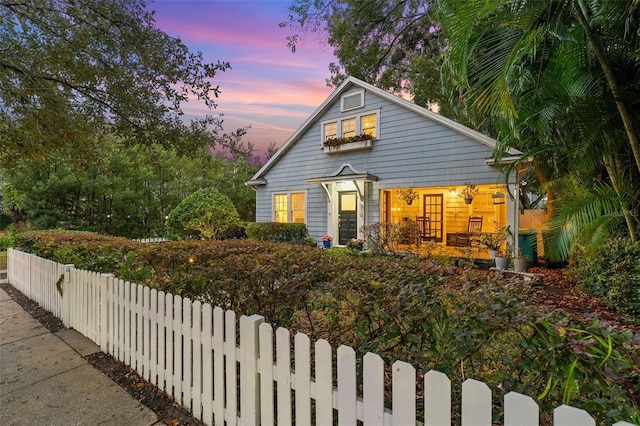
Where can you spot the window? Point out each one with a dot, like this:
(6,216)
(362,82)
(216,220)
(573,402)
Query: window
(348,127)
(367,122)
(289,207)
(280,203)
(297,208)
(330,130)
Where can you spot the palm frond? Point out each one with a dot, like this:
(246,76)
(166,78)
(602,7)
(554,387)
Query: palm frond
(585,216)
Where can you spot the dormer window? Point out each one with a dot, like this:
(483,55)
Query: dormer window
(367,122)
(350,133)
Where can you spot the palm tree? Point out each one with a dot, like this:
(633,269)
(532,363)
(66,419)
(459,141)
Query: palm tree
(558,81)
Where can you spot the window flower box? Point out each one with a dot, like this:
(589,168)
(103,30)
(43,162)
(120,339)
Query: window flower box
(350,143)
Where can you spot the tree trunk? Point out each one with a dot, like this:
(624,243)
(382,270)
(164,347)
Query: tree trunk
(611,80)
(613,175)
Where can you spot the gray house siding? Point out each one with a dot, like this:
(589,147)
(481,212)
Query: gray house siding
(410,150)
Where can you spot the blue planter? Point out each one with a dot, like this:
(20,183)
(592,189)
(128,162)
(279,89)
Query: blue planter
(326,244)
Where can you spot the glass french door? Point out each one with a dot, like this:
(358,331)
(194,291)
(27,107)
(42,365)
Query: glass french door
(432,208)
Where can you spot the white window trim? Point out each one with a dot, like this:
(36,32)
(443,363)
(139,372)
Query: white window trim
(350,94)
(358,117)
(289,214)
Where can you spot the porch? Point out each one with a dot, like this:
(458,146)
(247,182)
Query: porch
(442,216)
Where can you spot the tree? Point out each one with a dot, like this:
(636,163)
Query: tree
(393,44)
(235,164)
(73,70)
(206,213)
(560,77)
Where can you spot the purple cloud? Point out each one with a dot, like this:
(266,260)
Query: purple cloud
(268,87)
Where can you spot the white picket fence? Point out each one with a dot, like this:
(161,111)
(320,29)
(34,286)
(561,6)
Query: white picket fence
(191,351)
(152,240)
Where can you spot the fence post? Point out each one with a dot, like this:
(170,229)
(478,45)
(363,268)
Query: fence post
(520,410)
(249,378)
(565,415)
(437,399)
(476,403)
(105,291)
(66,289)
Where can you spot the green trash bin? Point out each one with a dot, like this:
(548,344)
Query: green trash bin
(527,241)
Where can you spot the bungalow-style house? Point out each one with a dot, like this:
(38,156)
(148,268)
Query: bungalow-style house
(367,156)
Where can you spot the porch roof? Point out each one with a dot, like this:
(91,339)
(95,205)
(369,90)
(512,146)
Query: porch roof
(339,175)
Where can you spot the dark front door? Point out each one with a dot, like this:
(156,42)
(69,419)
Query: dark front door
(347,217)
(432,207)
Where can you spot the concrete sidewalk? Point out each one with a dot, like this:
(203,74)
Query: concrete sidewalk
(44,379)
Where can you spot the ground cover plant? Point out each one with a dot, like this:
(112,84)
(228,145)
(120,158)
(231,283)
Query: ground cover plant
(466,323)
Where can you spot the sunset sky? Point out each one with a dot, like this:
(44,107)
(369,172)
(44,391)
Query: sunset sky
(267,87)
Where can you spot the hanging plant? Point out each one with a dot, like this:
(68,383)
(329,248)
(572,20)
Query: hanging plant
(468,192)
(407,194)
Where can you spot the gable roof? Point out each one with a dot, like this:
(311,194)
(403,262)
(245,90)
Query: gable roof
(258,178)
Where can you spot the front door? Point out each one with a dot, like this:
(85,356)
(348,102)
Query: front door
(347,216)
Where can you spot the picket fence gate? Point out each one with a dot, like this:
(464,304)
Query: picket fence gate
(228,375)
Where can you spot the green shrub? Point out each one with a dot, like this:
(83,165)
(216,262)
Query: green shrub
(206,213)
(7,241)
(248,276)
(238,231)
(278,232)
(85,250)
(613,273)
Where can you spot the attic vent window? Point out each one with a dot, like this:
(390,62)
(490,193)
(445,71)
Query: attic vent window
(352,100)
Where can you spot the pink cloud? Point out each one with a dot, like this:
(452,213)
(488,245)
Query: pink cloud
(268,87)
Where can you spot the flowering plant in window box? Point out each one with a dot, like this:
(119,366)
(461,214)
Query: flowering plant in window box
(334,142)
(407,194)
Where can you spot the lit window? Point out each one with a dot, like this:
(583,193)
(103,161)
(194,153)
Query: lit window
(330,130)
(352,125)
(348,127)
(281,211)
(297,208)
(368,125)
(289,207)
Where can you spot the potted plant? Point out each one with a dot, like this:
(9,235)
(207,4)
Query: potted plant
(493,241)
(407,194)
(520,261)
(356,244)
(468,192)
(326,241)
(502,260)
